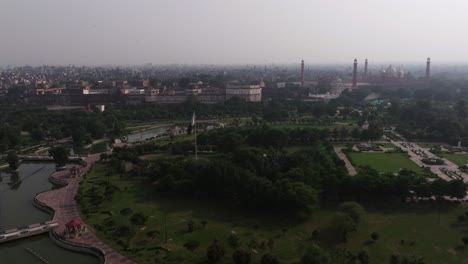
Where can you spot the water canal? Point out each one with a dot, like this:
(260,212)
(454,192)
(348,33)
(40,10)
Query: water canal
(149,133)
(17,209)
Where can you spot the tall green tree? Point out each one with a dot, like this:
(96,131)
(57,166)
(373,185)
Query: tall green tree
(215,252)
(60,155)
(241,256)
(354,210)
(139,219)
(315,255)
(191,245)
(343,224)
(13,160)
(439,188)
(269,259)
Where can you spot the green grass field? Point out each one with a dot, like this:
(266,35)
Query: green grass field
(459,159)
(383,162)
(314,125)
(99,147)
(415,224)
(294,149)
(422,235)
(340,145)
(139,125)
(387,145)
(178,138)
(425,145)
(221,222)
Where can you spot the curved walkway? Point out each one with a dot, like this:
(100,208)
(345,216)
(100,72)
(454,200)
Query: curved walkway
(351,170)
(63,202)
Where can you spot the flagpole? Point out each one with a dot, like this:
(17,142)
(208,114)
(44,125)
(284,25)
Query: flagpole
(196,149)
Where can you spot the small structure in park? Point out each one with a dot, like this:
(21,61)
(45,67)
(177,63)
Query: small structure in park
(75,171)
(73,228)
(368,147)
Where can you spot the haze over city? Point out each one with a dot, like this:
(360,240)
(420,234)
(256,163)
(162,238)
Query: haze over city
(231,32)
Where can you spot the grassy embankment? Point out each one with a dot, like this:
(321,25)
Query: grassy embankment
(459,159)
(416,225)
(383,162)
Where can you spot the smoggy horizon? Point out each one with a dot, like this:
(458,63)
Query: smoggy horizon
(241,32)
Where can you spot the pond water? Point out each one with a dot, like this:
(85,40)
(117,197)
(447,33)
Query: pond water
(17,191)
(146,134)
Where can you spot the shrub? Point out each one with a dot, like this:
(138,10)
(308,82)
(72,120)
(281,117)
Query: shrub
(126,211)
(124,231)
(394,259)
(271,243)
(315,255)
(191,245)
(215,252)
(465,240)
(241,256)
(138,219)
(233,241)
(191,226)
(269,259)
(461,218)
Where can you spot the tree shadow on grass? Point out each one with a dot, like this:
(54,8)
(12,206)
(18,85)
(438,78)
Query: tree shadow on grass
(212,209)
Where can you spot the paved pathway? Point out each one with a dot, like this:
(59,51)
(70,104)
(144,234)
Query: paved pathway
(351,170)
(434,168)
(63,202)
(408,146)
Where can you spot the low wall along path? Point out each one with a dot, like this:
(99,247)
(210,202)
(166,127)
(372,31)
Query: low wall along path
(62,200)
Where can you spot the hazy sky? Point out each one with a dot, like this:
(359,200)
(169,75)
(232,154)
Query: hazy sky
(231,31)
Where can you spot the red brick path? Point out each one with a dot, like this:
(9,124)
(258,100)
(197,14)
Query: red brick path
(63,202)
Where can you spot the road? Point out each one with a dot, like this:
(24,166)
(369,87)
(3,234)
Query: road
(351,170)
(411,148)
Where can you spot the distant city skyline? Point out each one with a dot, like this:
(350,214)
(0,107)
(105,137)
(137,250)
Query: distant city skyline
(234,32)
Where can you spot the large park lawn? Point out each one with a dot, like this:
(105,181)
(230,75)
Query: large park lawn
(331,126)
(425,144)
(415,224)
(459,159)
(383,162)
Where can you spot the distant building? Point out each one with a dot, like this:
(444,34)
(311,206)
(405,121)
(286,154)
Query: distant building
(101,108)
(43,91)
(193,89)
(393,77)
(249,93)
(77,89)
(287,84)
(212,95)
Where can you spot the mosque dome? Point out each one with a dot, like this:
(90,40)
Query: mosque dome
(391,71)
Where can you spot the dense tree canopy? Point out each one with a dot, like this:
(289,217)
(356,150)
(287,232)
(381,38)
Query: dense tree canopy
(60,155)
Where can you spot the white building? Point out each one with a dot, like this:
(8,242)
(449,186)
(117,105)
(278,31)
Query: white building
(249,93)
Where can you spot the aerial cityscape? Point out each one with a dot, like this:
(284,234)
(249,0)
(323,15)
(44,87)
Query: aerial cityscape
(246,132)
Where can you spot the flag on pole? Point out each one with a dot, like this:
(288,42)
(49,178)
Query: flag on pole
(192,123)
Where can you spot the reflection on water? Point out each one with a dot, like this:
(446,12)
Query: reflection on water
(19,252)
(15,181)
(17,191)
